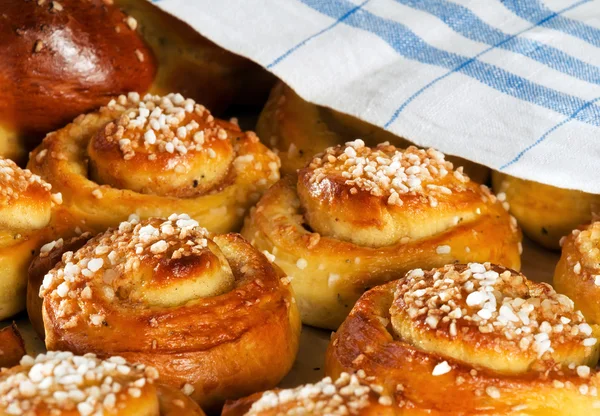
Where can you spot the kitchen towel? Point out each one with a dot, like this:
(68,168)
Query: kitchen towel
(511,84)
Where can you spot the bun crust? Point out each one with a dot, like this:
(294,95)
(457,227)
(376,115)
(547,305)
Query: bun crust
(209,311)
(545,213)
(153,156)
(59,383)
(354,219)
(26,206)
(526,351)
(347,395)
(577,273)
(43,85)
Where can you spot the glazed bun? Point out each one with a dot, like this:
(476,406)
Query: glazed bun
(350,394)
(545,213)
(26,209)
(208,311)
(59,59)
(356,216)
(154,155)
(476,339)
(60,383)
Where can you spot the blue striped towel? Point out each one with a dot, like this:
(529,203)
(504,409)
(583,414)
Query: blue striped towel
(511,84)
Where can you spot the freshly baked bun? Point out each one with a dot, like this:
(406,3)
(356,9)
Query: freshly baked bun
(359,216)
(12,346)
(195,66)
(209,311)
(472,339)
(59,59)
(60,383)
(297,130)
(154,156)
(545,213)
(577,273)
(49,255)
(348,395)
(26,203)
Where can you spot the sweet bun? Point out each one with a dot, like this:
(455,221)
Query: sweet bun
(49,255)
(545,213)
(153,156)
(26,206)
(577,273)
(347,395)
(208,311)
(59,59)
(193,65)
(60,383)
(356,216)
(297,130)
(472,339)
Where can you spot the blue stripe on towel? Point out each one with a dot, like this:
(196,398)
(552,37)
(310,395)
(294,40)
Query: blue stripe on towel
(343,16)
(409,45)
(534,10)
(462,20)
(548,133)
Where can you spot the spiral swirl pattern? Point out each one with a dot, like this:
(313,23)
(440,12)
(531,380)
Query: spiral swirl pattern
(357,216)
(153,156)
(464,338)
(209,311)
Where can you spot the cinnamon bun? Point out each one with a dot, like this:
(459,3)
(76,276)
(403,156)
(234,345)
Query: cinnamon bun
(12,346)
(577,273)
(60,383)
(472,339)
(49,255)
(26,206)
(153,156)
(208,311)
(347,395)
(297,130)
(545,213)
(358,216)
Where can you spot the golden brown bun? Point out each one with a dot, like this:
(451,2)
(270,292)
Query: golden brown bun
(298,130)
(12,346)
(358,216)
(59,59)
(577,273)
(209,311)
(26,206)
(59,383)
(545,213)
(50,254)
(152,157)
(193,65)
(347,395)
(472,339)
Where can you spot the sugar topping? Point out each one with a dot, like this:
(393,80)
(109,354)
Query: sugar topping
(61,381)
(386,171)
(167,124)
(588,243)
(348,395)
(14,181)
(113,254)
(492,299)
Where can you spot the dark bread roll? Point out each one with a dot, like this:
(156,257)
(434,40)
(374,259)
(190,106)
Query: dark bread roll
(59,59)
